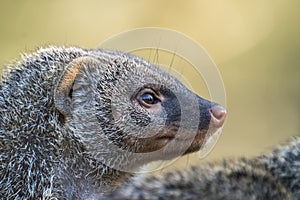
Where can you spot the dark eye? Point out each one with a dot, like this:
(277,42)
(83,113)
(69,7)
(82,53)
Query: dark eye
(149,98)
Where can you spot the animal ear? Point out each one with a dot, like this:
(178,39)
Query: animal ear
(65,87)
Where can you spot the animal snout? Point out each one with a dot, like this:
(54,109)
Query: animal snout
(218,115)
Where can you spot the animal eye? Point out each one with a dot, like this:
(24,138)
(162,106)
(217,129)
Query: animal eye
(149,98)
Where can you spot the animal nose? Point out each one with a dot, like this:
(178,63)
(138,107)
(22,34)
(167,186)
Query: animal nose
(218,115)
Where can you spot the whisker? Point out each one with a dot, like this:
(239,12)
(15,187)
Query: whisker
(172,60)
(181,71)
(156,58)
(149,58)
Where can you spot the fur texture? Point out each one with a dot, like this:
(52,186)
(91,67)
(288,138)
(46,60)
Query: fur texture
(73,125)
(272,176)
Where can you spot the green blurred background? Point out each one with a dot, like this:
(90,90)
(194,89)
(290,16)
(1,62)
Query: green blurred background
(255,45)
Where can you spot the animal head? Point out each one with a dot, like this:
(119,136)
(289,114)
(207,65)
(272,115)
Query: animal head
(125,110)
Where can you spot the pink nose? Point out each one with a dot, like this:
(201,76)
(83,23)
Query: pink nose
(218,115)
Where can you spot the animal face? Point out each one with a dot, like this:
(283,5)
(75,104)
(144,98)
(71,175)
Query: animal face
(120,107)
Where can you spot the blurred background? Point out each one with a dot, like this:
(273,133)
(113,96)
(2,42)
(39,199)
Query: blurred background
(255,45)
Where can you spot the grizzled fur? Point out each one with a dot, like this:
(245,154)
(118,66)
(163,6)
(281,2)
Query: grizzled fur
(70,125)
(273,176)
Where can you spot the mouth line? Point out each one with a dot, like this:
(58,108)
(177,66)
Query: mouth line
(194,144)
(177,142)
(198,136)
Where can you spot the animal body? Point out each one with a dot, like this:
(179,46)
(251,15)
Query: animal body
(273,176)
(77,123)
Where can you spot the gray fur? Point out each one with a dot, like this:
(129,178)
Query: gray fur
(68,125)
(271,176)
